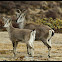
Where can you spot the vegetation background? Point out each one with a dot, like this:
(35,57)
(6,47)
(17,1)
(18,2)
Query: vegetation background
(40,12)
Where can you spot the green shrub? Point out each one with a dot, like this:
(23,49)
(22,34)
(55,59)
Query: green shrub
(53,23)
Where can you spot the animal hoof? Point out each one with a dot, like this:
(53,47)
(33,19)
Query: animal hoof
(49,56)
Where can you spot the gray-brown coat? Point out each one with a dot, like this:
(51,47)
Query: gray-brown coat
(24,35)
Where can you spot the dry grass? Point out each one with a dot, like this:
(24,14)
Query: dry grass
(41,51)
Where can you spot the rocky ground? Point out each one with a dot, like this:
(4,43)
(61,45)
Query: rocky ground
(41,51)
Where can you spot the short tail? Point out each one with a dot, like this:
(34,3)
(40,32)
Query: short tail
(52,32)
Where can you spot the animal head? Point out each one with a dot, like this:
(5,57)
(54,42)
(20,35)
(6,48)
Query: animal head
(21,17)
(7,22)
(5,19)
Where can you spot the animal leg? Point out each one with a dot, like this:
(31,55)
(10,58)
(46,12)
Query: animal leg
(32,50)
(48,44)
(49,49)
(16,45)
(14,49)
(28,50)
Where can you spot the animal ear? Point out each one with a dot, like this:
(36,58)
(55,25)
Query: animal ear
(5,19)
(25,12)
(9,19)
(18,10)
